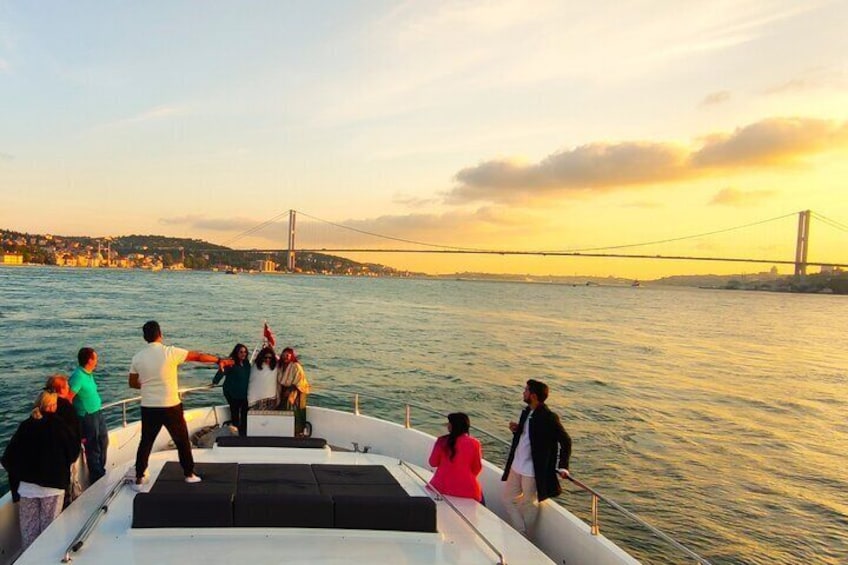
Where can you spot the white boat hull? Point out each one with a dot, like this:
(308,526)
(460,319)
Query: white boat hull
(564,538)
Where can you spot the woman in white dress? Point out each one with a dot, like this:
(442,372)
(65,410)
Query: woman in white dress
(262,387)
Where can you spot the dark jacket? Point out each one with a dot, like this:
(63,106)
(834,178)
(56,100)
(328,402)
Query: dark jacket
(547,437)
(41,452)
(237,379)
(66,412)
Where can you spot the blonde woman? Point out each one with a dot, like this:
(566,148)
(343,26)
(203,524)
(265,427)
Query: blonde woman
(292,389)
(38,460)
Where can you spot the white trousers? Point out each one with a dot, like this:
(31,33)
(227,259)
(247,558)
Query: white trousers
(521,502)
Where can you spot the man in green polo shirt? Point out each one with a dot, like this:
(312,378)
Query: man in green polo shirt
(88,405)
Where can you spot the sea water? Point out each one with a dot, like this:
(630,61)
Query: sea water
(717,416)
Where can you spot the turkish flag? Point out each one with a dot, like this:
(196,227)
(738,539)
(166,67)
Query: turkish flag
(269,335)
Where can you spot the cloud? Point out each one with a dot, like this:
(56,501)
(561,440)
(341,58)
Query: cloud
(597,166)
(153,114)
(716,98)
(770,142)
(603,167)
(413,201)
(6,157)
(734,197)
(819,77)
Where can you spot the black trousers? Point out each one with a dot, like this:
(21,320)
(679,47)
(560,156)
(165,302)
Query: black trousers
(152,420)
(238,413)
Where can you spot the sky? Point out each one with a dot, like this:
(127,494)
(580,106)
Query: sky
(487,125)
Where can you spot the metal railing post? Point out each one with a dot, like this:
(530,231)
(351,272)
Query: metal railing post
(407,423)
(356,404)
(124,413)
(596,522)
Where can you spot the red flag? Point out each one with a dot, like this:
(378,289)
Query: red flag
(269,335)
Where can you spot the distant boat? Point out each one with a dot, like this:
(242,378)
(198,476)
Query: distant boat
(231,271)
(635,283)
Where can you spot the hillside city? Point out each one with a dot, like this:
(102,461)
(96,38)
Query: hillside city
(159,252)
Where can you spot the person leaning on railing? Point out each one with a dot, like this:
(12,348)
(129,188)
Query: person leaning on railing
(38,459)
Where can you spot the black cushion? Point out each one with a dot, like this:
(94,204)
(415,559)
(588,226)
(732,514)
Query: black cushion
(280,488)
(266,472)
(394,490)
(217,478)
(264,510)
(271,441)
(209,472)
(197,510)
(410,514)
(353,475)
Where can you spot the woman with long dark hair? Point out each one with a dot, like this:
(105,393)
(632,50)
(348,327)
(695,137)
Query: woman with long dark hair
(237,373)
(292,388)
(38,460)
(458,459)
(262,389)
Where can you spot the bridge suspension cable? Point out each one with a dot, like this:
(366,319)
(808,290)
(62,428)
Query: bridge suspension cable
(832,223)
(392,238)
(681,238)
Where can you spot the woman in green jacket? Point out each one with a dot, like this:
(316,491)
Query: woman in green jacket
(237,376)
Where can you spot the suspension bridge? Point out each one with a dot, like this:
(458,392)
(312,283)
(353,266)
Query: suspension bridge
(322,236)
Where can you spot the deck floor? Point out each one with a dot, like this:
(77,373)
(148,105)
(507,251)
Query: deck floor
(113,540)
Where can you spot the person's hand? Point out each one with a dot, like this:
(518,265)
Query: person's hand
(225,362)
(513,427)
(563,473)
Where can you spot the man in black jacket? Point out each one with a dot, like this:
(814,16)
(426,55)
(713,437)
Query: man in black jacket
(539,454)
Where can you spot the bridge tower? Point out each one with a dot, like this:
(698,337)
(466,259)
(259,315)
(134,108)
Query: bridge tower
(290,253)
(802,243)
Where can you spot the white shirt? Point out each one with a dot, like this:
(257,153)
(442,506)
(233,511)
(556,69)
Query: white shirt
(522,462)
(262,383)
(156,367)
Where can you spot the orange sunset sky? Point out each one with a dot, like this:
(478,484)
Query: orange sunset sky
(495,125)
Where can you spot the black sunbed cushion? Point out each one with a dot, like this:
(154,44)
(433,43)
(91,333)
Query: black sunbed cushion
(217,478)
(410,514)
(333,490)
(266,472)
(353,475)
(271,441)
(196,510)
(263,510)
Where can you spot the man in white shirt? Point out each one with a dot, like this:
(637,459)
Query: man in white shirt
(533,464)
(154,371)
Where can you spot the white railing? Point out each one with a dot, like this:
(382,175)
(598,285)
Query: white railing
(596,496)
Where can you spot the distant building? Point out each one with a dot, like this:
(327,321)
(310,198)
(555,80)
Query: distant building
(11,259)
(266,265)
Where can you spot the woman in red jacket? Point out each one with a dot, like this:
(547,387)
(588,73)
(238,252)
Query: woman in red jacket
(458,459)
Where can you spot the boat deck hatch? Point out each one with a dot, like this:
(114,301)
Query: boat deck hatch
(282,496)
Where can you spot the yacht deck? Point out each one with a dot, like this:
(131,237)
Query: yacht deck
(113,540)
